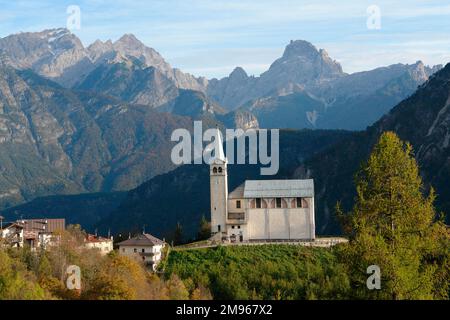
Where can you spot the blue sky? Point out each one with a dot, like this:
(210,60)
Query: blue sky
(211,37)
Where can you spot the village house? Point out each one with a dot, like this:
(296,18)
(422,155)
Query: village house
(12,234)
(104,245)
(42,232)
(143,247)
(260,210)
(36,233)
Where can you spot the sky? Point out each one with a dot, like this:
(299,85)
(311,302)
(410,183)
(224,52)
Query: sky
(211,37)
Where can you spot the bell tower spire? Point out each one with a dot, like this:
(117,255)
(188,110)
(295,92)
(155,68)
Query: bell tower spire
(219,148)
(218,187)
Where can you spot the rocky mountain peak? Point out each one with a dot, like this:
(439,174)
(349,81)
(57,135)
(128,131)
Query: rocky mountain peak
(302,63)
(57,33)
(54,53)
(60,40)
(98,49)
(420,72)
(300,48)
(98,44)
(129,45)
(238,74)
(28,48)
(131,51)
(302,53)
(129,41)
(323,53)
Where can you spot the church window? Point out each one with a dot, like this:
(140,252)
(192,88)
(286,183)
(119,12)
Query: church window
(299,203)
(258,203)
(220,169)
(214,170)
(218,228)
(239,227)
(238,204)
(143,250)
(135,250)
(278,202)
(232,227)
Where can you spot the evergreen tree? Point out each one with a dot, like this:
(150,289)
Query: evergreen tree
(178,234)
(204,231)
(393,227)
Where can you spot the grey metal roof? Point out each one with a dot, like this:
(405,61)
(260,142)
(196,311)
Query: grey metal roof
(141,240)
(279,188)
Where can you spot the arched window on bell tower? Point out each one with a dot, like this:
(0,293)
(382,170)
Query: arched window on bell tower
(215,170)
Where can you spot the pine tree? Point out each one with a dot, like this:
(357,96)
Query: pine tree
(393,226)
(204,231)
(178,234)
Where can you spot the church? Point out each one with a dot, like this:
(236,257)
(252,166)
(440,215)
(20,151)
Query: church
(260,210)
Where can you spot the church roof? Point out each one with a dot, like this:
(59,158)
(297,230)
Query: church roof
(237,193)
(278,188)
(141,240)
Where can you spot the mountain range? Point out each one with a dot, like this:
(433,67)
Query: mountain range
(304,85)
(82,120)
(55,140)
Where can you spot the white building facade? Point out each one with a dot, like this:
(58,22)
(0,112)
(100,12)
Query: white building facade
(260,210)
(144,248)
(103,245)
(271,210)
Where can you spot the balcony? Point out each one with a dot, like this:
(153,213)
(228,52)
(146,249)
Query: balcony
(146,254)
(236,217)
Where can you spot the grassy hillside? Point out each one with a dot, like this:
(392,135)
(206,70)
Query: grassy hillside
(261,272)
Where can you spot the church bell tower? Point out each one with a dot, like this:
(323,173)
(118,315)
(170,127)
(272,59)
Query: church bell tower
(218,188)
